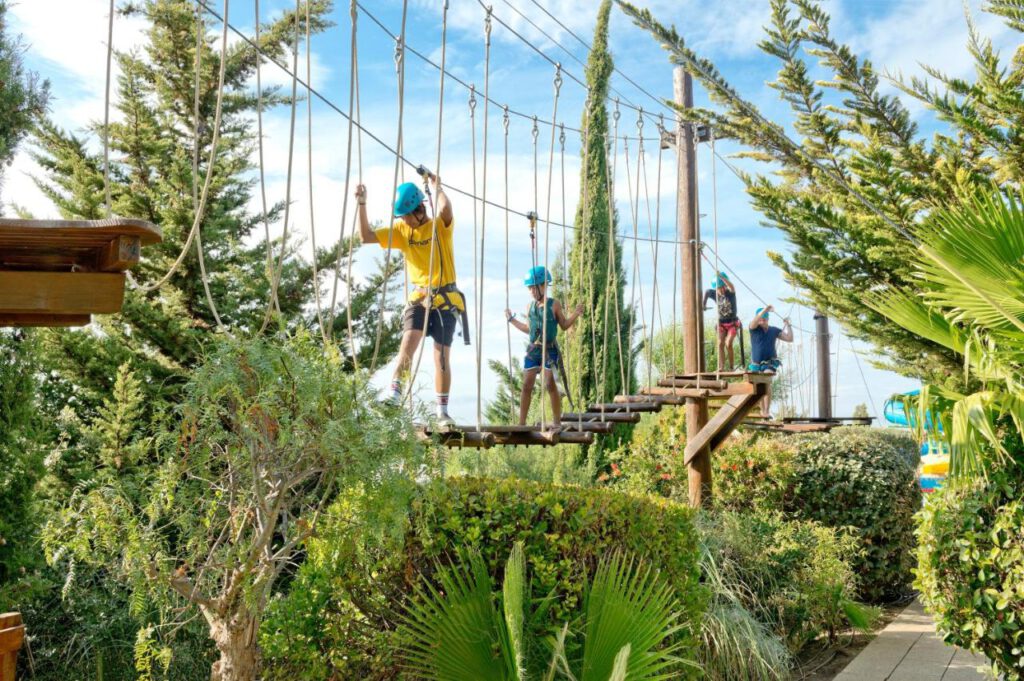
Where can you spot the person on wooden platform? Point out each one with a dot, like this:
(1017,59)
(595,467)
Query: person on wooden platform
(729,324)
(763,354)
(544,317)
(435,303)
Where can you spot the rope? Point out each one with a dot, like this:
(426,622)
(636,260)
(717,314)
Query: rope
(478,283)
(634,209)
(354,85)
(200,33)
(309,172)
(263,180)
(508,274)
(106,111)
(547,245)
(656,298)
(384,145)
(400,69)
(279,269)
(714,222)
(863,378)
(353,68)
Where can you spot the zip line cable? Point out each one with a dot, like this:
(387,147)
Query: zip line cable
(263,176)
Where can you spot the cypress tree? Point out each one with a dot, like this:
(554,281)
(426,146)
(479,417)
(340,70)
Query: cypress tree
(592,358)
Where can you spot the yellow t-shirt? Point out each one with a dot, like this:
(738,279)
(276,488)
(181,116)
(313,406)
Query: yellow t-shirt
(415,246)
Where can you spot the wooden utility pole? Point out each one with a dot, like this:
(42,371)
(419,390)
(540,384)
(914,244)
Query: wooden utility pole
(824,369)
(699,468)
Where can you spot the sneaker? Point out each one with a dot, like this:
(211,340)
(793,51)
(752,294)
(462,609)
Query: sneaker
(445,420)
(392,400)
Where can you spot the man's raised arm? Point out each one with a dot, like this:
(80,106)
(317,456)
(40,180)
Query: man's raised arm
(366,233)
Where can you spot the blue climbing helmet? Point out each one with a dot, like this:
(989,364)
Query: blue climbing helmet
(719,281)
(407,199)
(758,312)
(537,276)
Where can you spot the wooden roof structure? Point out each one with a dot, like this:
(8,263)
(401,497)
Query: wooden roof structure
(61,272)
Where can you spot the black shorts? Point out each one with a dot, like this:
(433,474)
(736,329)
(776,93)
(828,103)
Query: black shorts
(441,327)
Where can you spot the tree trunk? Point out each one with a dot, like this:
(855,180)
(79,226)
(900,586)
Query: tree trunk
(235,638)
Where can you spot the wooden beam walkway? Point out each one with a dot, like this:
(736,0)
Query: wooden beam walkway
(737,394)
(909,649)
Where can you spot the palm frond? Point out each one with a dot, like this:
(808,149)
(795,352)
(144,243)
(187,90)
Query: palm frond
(513,606)
(455,633)
(628,604)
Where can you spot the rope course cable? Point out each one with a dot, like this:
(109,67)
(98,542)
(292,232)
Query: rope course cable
(262,171)
(557,83)
(279,268)
(106,111)
(309,172)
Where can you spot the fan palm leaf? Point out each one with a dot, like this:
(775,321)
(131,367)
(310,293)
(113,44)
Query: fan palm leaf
(972,301)
(628,607)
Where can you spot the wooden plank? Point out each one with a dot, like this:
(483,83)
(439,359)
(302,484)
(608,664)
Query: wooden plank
(459,439)
(45,233)
(27,319)
(720,425)
(61,292)
(714,375)
(10,619)
(545,438)
(600,427)
(611,407)
(690,383)
(120,254)
(12,638)
(671,396)
(610,417)
(572,438)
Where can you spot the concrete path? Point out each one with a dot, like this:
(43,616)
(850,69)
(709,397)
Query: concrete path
(910,650)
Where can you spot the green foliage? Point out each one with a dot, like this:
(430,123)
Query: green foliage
(561,464)
(971,565)
(21,462)
(269,432)
(652,461)
(851,134)
(864,480)
(23,97)
(464,630)
(736,646)
(970,299)
(795,576)
(754,473)
(598,352)
(565,531)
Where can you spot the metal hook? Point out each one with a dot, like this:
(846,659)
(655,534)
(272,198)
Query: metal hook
(615,111)
(558,77)
(504,118)
(561,135)
(640,120)
(472,99)
(535,132)
(487,25)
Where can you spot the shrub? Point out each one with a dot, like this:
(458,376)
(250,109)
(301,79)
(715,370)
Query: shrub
(864,479)
(793,575)
(355,591)
(753,472)
(561,464)
(651,462)
(971,565)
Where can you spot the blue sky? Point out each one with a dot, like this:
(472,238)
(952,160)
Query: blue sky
(896,35)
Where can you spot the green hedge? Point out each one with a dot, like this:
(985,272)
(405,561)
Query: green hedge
(337,619)
(864,479)
(971,565)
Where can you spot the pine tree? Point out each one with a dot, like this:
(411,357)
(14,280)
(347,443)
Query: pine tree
(23,97)
(151,177)
(854,138)
(592,357)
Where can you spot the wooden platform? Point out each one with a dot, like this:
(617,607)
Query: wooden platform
(60,272)
(12,636)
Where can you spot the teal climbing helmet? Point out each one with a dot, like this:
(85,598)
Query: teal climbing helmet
(537,276)
(758,312)
(407,199)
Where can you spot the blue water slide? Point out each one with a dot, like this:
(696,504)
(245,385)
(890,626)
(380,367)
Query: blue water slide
(898,413)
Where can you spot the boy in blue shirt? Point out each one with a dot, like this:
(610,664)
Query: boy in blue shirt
(545,316)
(763,354)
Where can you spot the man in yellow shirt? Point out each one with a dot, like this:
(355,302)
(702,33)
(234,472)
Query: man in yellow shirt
(429,256)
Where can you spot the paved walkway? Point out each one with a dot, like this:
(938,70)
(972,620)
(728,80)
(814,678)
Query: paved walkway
(910,650)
